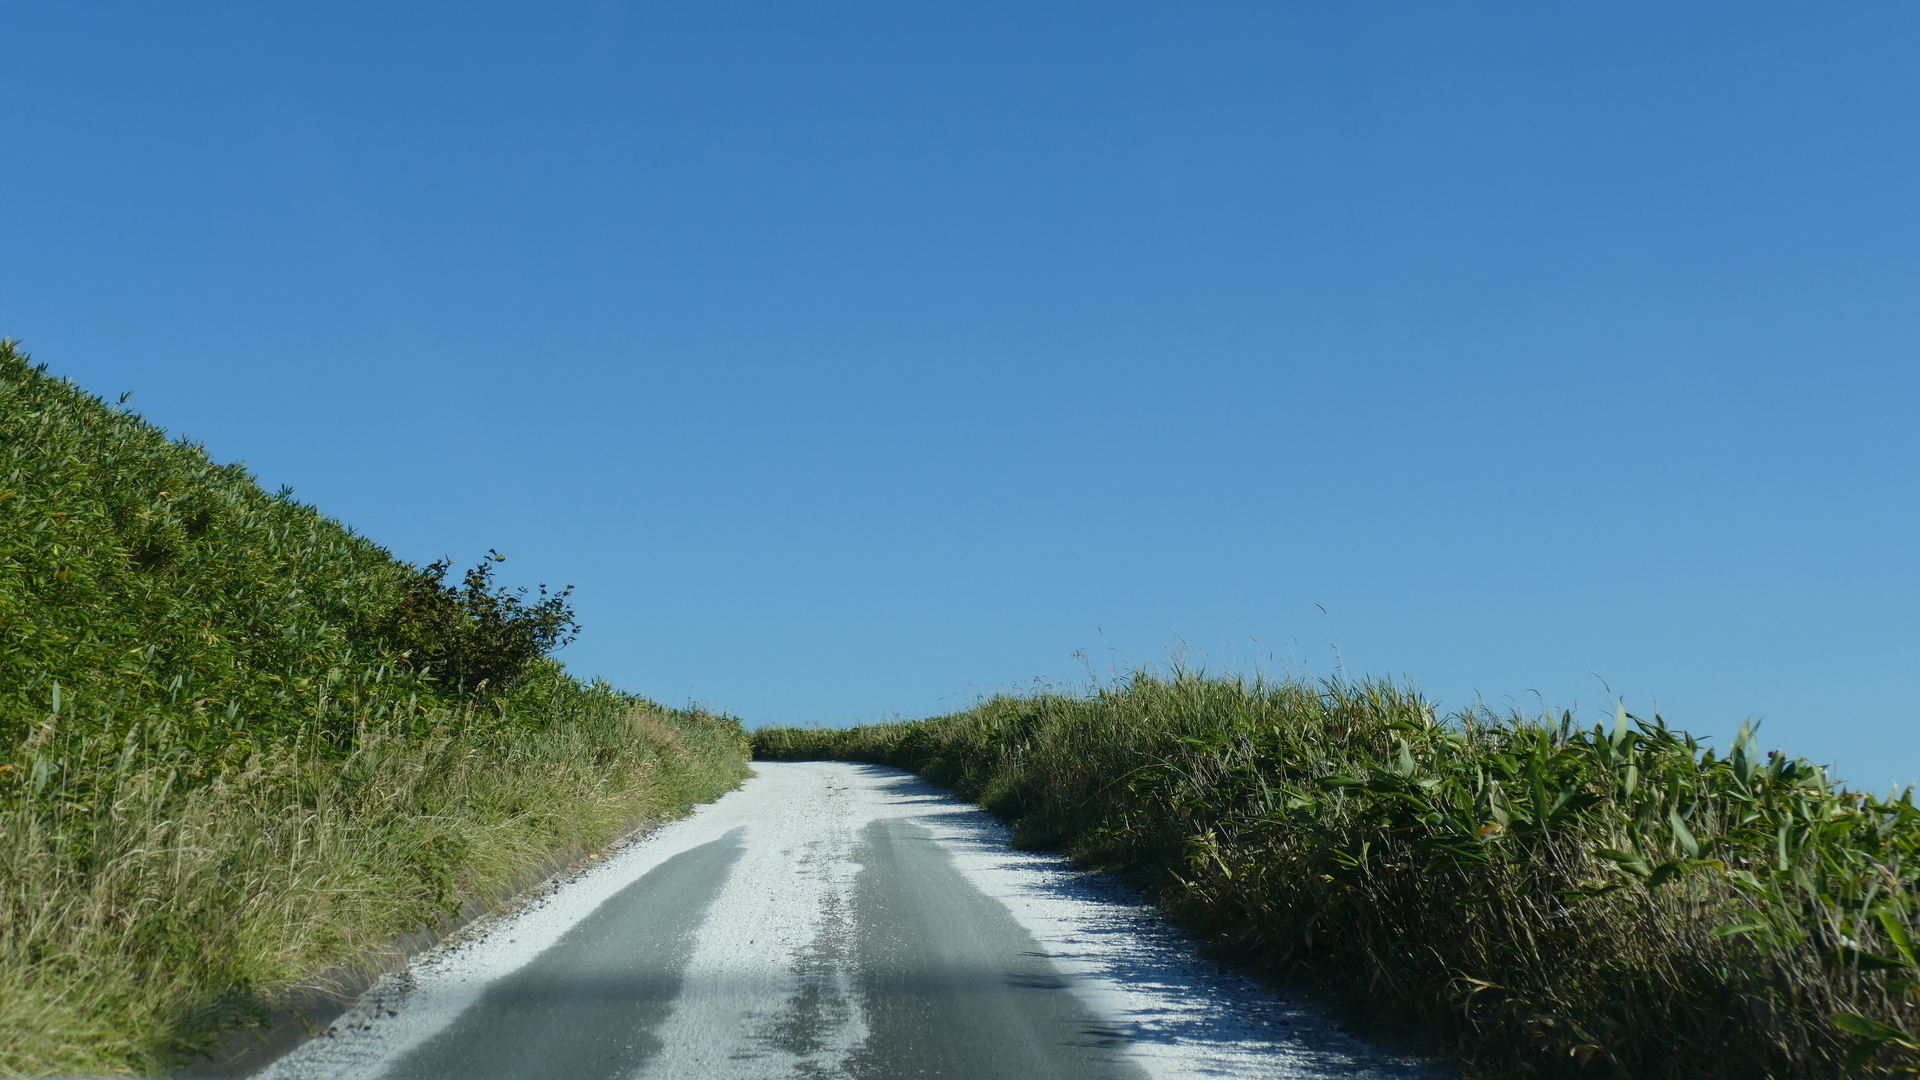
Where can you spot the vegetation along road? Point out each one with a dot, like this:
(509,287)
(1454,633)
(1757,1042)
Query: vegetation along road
(827,919)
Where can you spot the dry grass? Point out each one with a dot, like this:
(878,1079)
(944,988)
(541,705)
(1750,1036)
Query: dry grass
(136,929)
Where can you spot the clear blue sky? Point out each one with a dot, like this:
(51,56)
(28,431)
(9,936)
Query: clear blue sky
(856,359)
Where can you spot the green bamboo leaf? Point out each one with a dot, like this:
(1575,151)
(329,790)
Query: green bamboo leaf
(1897,933)
(1629,861)
(1864,960)
(1667,871)
(1869,1028)
(1683,835)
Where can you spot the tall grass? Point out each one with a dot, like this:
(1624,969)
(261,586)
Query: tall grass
(222,770)
(1521,894)
(139,920)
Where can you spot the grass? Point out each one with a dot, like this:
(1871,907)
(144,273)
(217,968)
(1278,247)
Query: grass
(1521,895)
(222,774)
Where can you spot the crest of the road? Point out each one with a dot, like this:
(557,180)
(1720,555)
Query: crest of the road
(828,920)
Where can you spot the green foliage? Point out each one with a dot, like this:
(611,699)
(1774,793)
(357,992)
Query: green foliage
(1524,893)
(142,583)
(240,744)
(473,638)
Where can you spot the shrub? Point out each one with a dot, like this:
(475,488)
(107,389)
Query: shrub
(474,638)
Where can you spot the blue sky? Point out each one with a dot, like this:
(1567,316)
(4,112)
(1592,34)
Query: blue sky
(855,360)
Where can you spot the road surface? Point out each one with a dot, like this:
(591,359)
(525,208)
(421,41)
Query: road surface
(827,920)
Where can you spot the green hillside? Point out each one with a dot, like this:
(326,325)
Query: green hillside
(239,743)
(149,583)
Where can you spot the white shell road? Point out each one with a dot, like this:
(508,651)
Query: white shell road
(827,920)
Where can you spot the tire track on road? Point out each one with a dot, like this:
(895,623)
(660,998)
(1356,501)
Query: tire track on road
(829,920)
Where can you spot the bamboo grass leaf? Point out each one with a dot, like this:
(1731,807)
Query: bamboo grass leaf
(1683,835)
(1867,1027)
(1863,960)
(1629,861)
(1667,871)
(1897,933)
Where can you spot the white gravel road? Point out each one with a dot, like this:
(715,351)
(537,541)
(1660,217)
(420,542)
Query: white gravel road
(827,920)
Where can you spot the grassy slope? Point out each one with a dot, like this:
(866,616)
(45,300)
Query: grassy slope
(217,778)
(1521,895)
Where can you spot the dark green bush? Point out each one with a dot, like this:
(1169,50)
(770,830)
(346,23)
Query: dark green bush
(474,638)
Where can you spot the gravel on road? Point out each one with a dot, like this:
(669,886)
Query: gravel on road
(828,920)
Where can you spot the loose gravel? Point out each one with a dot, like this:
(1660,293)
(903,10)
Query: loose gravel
(767,946)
